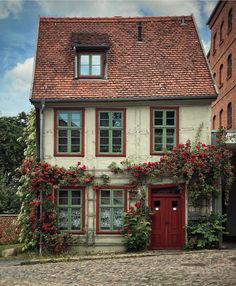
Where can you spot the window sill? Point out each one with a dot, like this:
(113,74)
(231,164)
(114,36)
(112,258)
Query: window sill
(213,52)
(161,153)
(109,232)
(68,155)
(110,155)
(221,42)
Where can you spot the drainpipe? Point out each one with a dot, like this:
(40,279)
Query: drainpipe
(41,159)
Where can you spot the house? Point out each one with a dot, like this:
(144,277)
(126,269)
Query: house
(222,60)
(109,89)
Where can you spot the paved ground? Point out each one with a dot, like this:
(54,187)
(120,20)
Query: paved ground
(165,268)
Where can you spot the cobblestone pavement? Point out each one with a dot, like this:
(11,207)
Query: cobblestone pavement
(165,268)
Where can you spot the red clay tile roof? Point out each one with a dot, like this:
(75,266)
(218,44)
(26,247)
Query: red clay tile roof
(169,63)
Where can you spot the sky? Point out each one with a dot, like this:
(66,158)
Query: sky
(18,30)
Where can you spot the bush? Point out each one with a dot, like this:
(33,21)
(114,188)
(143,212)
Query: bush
(137,227)
(58,243)
(205,232)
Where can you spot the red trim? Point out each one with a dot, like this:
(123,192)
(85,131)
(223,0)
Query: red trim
(56,154)
(181,195)
(102,65)
(97,207)
(124,133)
(74,187)
(151,126)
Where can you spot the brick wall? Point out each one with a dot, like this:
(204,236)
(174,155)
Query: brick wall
(8,231)
(227,90)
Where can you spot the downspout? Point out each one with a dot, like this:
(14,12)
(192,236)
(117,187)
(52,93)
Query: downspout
(41,159)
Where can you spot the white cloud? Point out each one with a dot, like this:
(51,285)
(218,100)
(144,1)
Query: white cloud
(206,46)
(20,76)
(208,6)
(10,7)
(15,88)
(122,8)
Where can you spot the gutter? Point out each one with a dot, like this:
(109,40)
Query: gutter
(117,99)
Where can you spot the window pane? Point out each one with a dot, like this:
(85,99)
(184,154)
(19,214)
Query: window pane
(170,118)
(116,141)
(104,133)
(75,133)
(62,148)
(170,132)
(62,133)
(75,120)
(63,218)
(75,218)
(105,197)
(104,119)
(118,218)
(63,197)
(104,149)
(117,119)
(84,70)
(75,197)
(75,141)
(96,70)
(158,118)
(84,59)
(96,60)
(105,218)
(116,149)
(104,141)
(158,147)
(75,148)
(63,119)
(118,197)
(63,141)
(117,133)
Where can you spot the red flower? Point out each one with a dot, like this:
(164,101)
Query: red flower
(82,168)
(78,163)
(137,205)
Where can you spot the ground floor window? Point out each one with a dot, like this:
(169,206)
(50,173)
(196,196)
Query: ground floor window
(111,208)
(70,209)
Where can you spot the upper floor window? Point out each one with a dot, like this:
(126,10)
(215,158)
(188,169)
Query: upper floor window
(220,76)
(229,116)
(221,119)
(230,20)
(70,210)
(221,32)
(69,133)
(91,65)
(214,43)
(111,206)
(164,129)
(229,66)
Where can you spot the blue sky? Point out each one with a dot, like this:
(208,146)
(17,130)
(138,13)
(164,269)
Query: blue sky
(18,28)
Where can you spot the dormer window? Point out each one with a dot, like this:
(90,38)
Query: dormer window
(91,65)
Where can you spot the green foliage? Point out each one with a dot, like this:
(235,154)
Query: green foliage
(204,233)
(58,243)
(11,150)
(137,226)
(105,179)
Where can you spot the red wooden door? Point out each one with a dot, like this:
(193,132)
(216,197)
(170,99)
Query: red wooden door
(167,222)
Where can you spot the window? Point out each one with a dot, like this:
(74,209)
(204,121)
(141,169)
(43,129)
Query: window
(164,129)
(220,76)
(69,133)
(221,119)
(229,66)
(221,32)
(91,65)
(111,208)
(110,132)
(229,116)
(230,20)
(214,43)
(214,122)
(70,210)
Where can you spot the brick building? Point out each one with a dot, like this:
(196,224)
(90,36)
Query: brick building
(222,60)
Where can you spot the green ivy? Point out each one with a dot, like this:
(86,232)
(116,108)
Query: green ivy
(205,232)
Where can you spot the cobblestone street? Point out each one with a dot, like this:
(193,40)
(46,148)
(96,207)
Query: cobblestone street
(164,268)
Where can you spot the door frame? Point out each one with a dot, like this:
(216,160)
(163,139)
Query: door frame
(183,201)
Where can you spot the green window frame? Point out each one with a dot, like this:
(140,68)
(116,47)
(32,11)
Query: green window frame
(90,65)
(69,132)
(70,209)
(110,132)
(111,209)
(164,129)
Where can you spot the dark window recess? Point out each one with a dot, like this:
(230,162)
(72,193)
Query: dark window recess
(221,32)
(140,32)
(221,118)
(229,116)
(220,76)
(174,204)
(230,20)
(157,205)
(229,66)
